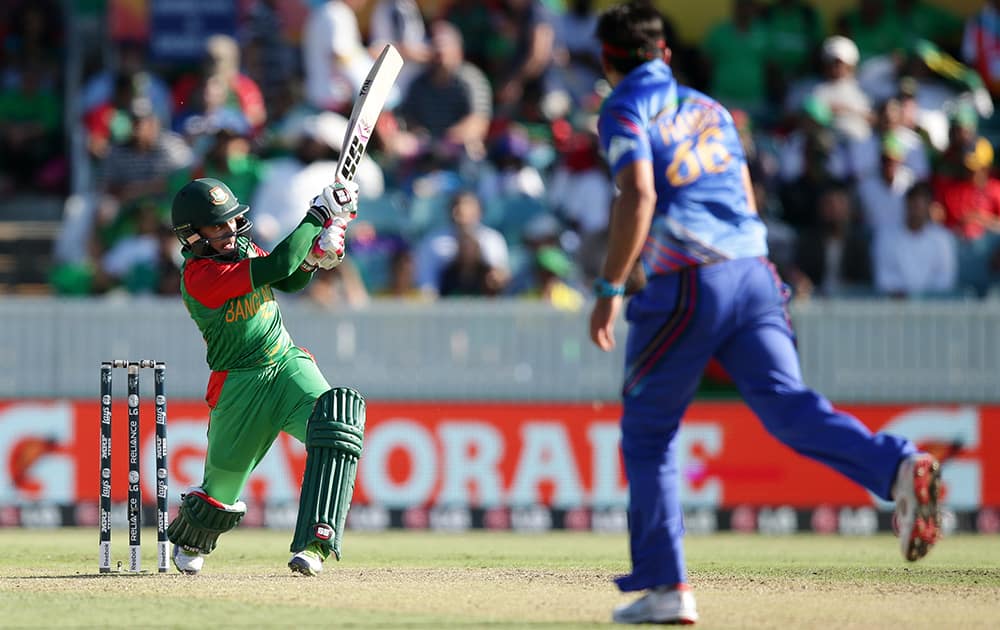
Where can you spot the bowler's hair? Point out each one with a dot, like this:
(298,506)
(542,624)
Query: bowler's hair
(631,34)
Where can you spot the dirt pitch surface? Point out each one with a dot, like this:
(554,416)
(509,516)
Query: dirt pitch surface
(49,579)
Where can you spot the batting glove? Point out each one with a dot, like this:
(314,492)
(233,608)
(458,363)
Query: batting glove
(338,200)
(328,249)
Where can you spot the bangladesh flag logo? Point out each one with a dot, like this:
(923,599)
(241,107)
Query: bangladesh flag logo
(218,196)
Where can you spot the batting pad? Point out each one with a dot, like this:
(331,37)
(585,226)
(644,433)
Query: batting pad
(201,519)
(334,437)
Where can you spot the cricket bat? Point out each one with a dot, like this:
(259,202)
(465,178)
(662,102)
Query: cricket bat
(368,106)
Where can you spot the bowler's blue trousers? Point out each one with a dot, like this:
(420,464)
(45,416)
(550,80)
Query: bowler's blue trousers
(735,311)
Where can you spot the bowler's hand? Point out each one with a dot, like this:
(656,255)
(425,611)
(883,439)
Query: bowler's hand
(602,322)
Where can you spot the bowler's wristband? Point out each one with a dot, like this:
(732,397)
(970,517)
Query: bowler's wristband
(604,289)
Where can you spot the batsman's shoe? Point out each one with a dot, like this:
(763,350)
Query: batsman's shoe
(659,605)
(188,562)
(916,492)
(309,561)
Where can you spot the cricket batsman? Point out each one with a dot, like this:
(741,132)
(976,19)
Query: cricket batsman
(261,383)
(685,216)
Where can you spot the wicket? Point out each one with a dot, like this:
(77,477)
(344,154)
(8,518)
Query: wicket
(134,506)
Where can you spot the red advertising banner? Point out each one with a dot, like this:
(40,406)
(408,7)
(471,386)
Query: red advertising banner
(491,455)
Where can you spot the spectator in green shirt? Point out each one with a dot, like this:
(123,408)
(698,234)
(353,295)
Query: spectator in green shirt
(875,30)
(30,120)
(735,51)
(230,157)
(794,32)
(923,20)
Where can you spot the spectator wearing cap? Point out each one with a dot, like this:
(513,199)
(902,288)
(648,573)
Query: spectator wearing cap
(291,181)
(221,67)
(970,200)
(919,258)
(736,51)
(840,91)
(972,203)
(543,230)
(449,105)
(881,194)
(553,275)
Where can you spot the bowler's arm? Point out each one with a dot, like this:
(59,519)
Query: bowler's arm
(631,216)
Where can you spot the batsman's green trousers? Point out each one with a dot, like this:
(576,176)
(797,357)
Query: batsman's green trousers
(249,408)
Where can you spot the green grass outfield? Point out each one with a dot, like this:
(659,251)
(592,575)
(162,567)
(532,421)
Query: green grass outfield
(48,578)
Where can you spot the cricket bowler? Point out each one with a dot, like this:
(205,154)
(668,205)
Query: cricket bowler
(685,215)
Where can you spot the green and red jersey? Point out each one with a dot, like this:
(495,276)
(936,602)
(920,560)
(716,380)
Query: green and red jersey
(241,324)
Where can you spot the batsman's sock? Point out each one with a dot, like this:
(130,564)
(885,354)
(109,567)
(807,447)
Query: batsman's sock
(334,437)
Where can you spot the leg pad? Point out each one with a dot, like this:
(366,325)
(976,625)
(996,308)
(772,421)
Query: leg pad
(334,438)
(201,520)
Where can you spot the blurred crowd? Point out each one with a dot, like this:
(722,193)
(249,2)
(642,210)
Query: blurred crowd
(870,141)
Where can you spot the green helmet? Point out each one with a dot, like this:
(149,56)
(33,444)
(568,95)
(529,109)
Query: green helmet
(204,202)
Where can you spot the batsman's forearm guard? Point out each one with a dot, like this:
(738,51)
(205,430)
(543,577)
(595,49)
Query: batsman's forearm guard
(333,446)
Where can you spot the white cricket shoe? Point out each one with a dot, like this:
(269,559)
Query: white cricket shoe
(188,562)
(659,605)
(309,562)
(916,492)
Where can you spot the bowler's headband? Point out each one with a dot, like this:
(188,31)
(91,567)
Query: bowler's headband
(644,52)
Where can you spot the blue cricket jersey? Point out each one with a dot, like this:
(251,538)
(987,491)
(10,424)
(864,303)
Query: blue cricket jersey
(704,209)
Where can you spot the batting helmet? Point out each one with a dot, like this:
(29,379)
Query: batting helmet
(204,202)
